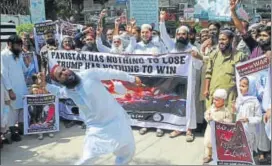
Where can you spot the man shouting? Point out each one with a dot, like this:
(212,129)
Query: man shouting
(108,127)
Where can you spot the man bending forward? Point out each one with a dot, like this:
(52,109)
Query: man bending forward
(108,126)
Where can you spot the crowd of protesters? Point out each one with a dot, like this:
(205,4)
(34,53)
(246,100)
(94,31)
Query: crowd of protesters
(215,53)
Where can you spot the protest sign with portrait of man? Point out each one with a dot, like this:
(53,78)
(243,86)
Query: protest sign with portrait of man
(41,114)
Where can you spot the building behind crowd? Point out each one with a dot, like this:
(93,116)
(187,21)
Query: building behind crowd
(87,11)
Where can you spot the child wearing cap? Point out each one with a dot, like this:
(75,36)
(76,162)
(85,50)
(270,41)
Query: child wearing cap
(217,112)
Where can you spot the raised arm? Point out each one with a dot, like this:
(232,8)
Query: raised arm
(169,43)
(116,28)
(53,89)
(100,46)
(237,22)
(109,74)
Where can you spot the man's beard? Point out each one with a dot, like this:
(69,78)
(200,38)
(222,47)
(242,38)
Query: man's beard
(146,41)
(91,46)
(265,44)
(16,52)
(117,50)
(214,38)
(51,42)
(26,46)
(181,44)
(72,81)
(192,41)
(225,47)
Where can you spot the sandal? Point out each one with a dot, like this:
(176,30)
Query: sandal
(207,160)
(190,137)
(159,132)
(143,131)
(262,160)
(175,134)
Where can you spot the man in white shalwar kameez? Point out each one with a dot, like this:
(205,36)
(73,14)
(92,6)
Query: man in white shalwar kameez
(147,46)
(108,126)
(12,71)
(182,45)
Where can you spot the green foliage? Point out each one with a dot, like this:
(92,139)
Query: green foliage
(24,28)
(198,27)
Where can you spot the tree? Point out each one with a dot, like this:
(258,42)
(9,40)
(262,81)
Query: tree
(24,28)
(59,9)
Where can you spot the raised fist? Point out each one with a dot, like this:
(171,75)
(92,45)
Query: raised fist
(162,16)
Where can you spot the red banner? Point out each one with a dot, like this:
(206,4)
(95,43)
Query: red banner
(230,144)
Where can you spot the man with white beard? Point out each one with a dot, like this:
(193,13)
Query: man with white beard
(182,44)
(117,44)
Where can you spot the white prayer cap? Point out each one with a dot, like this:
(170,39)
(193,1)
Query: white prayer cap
(146,26)
(183,28)
(116,37)
(220,93)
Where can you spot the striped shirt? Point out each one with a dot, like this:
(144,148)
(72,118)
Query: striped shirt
(6,29)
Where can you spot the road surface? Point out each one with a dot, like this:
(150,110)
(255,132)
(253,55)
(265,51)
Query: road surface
(66,147)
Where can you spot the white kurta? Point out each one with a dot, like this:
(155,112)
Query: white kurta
(13,77)
(250,108)
(218,115)
(4,107)
(266,104)
(108,125)
(142,48)
(195,64)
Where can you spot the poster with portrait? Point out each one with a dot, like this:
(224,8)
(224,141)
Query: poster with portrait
(31,64)
(41,114)
(39,30)
(258,69)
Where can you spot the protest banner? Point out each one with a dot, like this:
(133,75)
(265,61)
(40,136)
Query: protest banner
(41,114)
(229,144)
(31,63)
(258,68)
(39,29)
(163,101)
(145,12)
(217,10)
